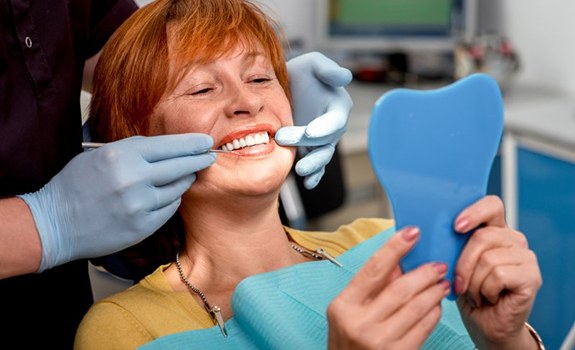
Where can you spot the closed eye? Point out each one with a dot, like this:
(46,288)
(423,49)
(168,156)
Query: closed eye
(261,80)
(201,92)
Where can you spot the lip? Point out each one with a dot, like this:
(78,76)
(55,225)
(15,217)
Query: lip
(246,131)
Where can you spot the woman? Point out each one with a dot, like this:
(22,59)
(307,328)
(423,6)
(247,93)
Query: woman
(216,67)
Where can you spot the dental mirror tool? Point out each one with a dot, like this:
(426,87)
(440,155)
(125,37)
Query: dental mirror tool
(89,145)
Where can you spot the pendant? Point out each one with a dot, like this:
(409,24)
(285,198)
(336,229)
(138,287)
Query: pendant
(327,256)
(216,313)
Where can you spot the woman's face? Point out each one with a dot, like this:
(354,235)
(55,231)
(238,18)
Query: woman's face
(238,101)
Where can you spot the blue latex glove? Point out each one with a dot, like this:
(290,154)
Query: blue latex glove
(321,107)
(110,198)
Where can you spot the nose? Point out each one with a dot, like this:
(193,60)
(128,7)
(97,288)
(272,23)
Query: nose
(243,101)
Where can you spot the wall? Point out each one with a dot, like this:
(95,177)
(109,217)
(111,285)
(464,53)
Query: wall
(297,18)
(543,33)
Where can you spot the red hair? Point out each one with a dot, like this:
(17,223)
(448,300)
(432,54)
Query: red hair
(149,54)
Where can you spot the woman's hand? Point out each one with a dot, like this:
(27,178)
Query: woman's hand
(382,308)
(497,278)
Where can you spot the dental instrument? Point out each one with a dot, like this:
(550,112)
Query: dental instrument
(90,145)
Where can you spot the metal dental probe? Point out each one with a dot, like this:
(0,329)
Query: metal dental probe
(99,144)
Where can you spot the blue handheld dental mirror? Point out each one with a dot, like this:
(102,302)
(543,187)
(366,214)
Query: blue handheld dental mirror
(432,152)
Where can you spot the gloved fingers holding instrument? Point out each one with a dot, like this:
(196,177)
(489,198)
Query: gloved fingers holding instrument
(321,108)
(110,198)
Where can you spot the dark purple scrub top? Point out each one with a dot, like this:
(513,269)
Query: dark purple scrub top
(43,47)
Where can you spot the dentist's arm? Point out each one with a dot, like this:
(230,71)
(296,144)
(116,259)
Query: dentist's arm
(20,246)
(321,107)
(101,202)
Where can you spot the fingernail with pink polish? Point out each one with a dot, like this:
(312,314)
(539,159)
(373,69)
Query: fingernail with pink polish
(410,234)
(458,285)
(462,225)
(441,269)
(446,286)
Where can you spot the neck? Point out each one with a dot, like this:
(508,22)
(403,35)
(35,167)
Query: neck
(225,244)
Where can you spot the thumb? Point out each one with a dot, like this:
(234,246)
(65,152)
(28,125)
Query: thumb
(329,72)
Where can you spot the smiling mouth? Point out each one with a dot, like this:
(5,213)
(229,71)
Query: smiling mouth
(258,138)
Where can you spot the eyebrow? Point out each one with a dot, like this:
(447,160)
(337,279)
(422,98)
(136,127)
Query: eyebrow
(252,55)
(248,55)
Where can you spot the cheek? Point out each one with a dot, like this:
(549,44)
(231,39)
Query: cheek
(282,109)
(156,125)
(292,154)
(178,121)
(287,119)
(159,121)
(283,162)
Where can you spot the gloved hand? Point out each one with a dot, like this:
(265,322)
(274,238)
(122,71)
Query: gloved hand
(321,107)
(107,199)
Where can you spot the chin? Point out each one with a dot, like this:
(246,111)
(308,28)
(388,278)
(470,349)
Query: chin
(261,181)
(248,176)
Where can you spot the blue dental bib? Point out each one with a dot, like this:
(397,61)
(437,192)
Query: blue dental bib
(286,309)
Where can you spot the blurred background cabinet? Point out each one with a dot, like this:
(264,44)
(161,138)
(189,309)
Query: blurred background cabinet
(538,163)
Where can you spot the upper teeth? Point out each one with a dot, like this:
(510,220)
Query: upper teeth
(248,140)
